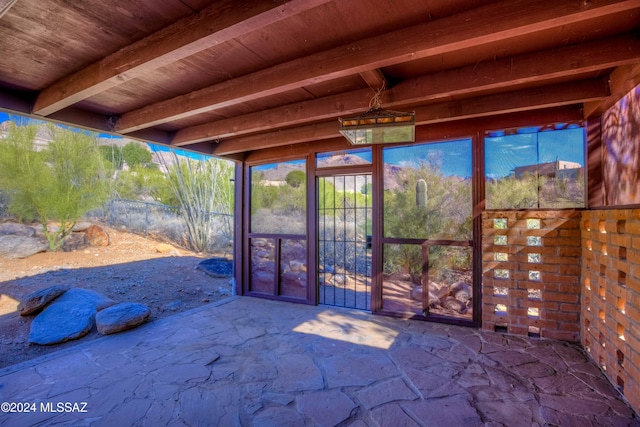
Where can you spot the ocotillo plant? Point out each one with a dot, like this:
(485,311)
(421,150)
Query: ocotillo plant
(421,193)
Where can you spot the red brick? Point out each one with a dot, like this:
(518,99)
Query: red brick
(559,335)
(558,278)
(518,330)
(570,288)
(561,241)
(560,297)
(570,270)
(570,327)
(516,312)
(619,240)
(559,316)
(548,305)
(632,227)
(570,308)
(570,251)
(575,233)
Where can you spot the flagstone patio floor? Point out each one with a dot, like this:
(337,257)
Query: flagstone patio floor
(253,362)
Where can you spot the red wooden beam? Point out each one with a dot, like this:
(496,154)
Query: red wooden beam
(468,29)
(223,21)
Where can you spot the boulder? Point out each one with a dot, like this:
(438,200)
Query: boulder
(81,227)
(62,321)
(12,246)
(86,297)
(97,236)
(16,229)
(37,300)
(164,248)
(121,317)
(74,242)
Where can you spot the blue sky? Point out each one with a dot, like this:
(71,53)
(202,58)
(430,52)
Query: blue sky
(154,147)
(504,153)
(452,157)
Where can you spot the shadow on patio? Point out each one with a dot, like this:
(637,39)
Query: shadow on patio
(248,361)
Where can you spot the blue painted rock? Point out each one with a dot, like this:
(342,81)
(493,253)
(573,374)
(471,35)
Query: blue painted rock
(62,321)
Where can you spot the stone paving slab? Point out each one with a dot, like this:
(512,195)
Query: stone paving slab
(252,362)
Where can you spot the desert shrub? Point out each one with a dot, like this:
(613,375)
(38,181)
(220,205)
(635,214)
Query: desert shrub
(112,156)
(142,183)
(513,193)
(137,154)
(203,189)
(59,183)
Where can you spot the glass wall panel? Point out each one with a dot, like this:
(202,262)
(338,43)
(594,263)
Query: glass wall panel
(352,157)
(450,281)
(262,266)
(427,191)
(293,268)
(402,279)
(535,168)
(278,198)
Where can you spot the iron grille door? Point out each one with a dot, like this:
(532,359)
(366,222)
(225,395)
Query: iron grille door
(344,240)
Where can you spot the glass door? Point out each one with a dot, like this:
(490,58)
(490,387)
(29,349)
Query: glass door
(344,228)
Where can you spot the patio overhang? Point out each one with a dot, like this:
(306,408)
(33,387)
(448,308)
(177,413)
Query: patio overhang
(228,78)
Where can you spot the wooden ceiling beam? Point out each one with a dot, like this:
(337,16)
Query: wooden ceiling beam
(289,115)
(589,57)
(223,21)
(375,79)
(5,5)
(290,136)
(462,31)
(555,63)
(621,81)
(505,103)
(522,100)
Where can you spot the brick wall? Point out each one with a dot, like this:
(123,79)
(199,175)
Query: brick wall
(610,316)
(531,273)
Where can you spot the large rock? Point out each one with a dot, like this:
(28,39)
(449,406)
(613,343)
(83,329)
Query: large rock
(82,296)
(121,317)
(12,246)
(62,321)
(97,236)
(81,227)
(37,300)
(74,242)
(16,229)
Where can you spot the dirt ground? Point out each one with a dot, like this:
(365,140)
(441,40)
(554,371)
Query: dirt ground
(131,269)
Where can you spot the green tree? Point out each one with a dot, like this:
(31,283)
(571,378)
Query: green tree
(136,154)
(140,183)
(60,183)
(295,178)
(112,155)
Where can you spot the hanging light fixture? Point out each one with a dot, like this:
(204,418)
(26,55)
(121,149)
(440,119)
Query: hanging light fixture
(378,126)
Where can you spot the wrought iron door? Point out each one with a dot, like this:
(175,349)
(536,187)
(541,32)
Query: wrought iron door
(344,240)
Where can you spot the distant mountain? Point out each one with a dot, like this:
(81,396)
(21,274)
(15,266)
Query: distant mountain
(341,160)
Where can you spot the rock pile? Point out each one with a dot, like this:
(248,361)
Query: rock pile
(22,241)
(456,297)
(67,314)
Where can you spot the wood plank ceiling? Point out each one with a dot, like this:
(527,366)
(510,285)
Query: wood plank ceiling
(229,77)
